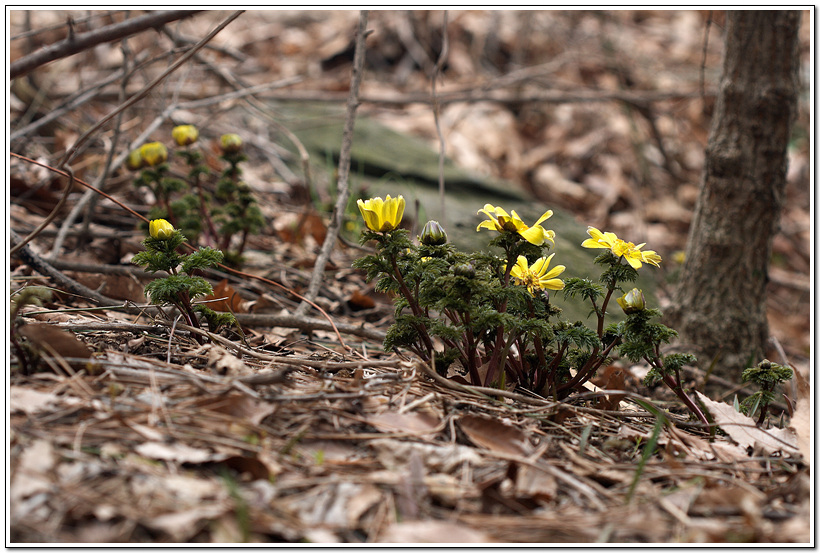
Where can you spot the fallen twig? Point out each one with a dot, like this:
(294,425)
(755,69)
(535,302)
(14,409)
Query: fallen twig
(77,43)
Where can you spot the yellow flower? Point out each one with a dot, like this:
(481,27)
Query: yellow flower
(154,153)
(382,215)
(134,160)
(231,143)
(160,229)
(538,275)
(632,302)
(629,251)
(500,220)
(185,134)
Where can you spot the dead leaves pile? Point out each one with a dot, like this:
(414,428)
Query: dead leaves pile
(238,450)
(164,441)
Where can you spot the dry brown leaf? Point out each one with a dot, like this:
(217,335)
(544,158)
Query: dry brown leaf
(495,435)
(743,430)
(50,341)
(612,377)
(240,407)
(221,361)
(181,525)
(225,298)
(33,401)
(293,228)
(118,287)
(358,301)
(801,420)
(178,452)
(32,475)
(432,531)
(394,453)
(333,505)
(411,423)
(532,482)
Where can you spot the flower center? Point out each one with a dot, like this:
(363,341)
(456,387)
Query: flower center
(622,247)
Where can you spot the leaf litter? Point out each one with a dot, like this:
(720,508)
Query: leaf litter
(290,437)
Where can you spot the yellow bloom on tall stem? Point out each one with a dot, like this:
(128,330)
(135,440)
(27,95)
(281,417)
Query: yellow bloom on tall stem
(538,275)
(154,153)
(160,229)
(382,215)
(231,143)
(134,161)
(500,220)
(185,134)
(621,248)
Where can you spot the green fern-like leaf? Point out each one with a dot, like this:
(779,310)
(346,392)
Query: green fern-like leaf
(582,287)
(214,319)
(675,361)
(203,258)
(173,287)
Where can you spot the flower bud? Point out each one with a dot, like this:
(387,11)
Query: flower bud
(231,143)
(134,161)
(160,229)
(465,270)
(632,302)
(433,234)
(154,153)
(185,134)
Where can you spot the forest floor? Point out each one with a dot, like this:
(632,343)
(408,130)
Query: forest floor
(302,429)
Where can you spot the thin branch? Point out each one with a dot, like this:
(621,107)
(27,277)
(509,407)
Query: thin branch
(69,155)
(344,166)
(72,103)
(89,196)
(40,265)
(703,55)
(77,43)
(501,97)
(445,47)
(242,89)
(147,88)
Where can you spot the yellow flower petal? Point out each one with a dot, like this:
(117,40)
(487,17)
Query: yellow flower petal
(538,274)
(185,134)
(498,219)
(554,284)
(636,263)
(160,229)
(547,214)
(651,257)
(382,215)
(621,248)
(534,235)
(154,153)
(592,243)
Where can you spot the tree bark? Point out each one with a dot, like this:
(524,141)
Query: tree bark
(720,304)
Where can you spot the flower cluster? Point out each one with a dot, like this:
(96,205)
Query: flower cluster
(491,315)
(210,212)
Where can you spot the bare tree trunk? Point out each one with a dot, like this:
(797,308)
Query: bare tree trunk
(720,304)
